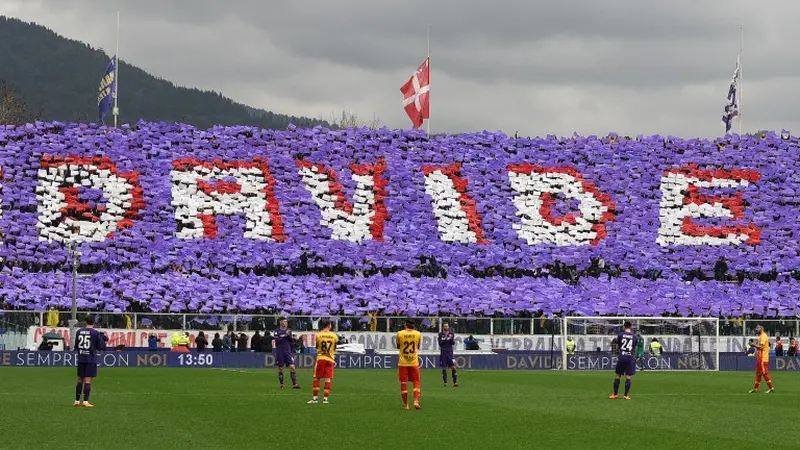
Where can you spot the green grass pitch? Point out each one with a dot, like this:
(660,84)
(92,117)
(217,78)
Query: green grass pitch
(173,409)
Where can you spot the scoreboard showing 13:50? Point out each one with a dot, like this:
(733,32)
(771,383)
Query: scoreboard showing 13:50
(195,360)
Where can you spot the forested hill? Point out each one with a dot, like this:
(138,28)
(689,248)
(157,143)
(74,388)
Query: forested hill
(59,78)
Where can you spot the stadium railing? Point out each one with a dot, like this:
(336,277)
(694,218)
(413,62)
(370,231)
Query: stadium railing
(18,320)
(24,329)
(251,322)
(15,321)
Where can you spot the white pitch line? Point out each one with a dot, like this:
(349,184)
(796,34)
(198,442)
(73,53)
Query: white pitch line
(431,392)
(231,370)
(732,394)
(196,394)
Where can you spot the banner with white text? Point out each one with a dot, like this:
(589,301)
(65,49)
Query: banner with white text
(385,341)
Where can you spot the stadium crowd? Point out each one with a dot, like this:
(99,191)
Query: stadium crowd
(315,262)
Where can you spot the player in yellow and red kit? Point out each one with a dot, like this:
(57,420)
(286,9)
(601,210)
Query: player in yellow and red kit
(323,369)
(408,345)
(762,361)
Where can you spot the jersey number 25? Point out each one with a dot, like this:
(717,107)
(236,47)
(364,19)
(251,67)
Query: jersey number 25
(84,342)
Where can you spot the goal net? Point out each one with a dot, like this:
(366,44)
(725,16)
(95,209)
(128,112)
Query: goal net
(684,343)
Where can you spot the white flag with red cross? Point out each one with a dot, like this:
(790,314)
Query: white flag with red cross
(416,94)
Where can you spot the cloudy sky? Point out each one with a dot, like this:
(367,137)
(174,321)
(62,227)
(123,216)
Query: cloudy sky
(537,67)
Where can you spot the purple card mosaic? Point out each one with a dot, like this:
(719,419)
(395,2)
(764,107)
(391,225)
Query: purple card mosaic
(185,219)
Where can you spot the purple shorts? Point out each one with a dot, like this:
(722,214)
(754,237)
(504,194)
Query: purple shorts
(626,366)
(446,361)
(87,370)
(283,359)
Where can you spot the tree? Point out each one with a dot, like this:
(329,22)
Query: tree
(13,108)
(758,134)
(82,117)
(349,119)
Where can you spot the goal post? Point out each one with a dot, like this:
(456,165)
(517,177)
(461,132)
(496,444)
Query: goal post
(686,343)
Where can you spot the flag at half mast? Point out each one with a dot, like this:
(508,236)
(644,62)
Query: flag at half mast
(732,106)
(416,95)
(107,90)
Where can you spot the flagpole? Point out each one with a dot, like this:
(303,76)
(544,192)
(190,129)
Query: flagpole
(739,93)
(428,122)
(115,111)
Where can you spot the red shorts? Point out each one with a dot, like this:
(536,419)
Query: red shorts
(323,369)
(408,373)
(762,368)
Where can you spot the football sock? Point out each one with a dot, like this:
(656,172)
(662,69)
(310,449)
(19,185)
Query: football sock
(404,393)
(280,377)
(294,378)
(455,377)
(327,390)
(78,390)
(315,386)
(616,386)
(769,382)
(416,391)
(758,381)
(87,390)
(444,375)
(627,386)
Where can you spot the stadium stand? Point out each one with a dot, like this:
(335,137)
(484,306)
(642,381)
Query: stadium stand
(315,221)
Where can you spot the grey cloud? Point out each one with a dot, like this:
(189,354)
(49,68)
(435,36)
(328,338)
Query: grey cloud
(381,37)
(212,59)
(377,36)
(536,66)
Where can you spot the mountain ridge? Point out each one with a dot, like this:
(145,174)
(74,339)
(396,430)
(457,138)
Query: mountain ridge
(59,76)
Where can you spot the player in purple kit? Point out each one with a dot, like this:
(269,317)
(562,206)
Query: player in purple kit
(447,341)
(626,364)
(283,352)
(88,342)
